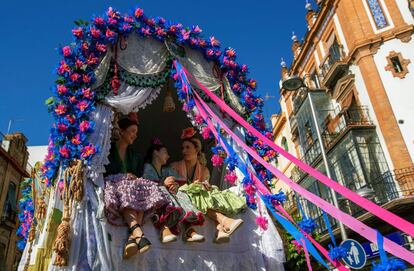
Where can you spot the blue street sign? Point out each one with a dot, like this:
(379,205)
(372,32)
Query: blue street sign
(356,257)
(371,249)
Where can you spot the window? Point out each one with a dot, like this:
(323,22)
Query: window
(10,208)
(397,65)
(377,13)
(284,144)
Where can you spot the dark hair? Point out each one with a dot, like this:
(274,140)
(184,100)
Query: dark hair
(201,157)
(124,123)
(154,147)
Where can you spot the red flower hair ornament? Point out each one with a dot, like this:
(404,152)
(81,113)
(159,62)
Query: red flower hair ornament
(188,133)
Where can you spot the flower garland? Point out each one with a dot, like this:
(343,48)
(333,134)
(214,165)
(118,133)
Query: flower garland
(74,99)
(26,214)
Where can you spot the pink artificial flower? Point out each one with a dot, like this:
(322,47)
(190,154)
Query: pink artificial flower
(138,12)
(262,222)
(236,86)
(252,83)
(64,152)
(79,63)
(100,47)
(244,68)
(84,126)
(156,141)
(61,89)
(95,32)
(87,93)
(74,77)
(172,28)
(188,133)
(214,41)
(250,190)
(99,21)
(85,46)
(61,187)
(66,51)
(297,245)
(128,19)
(60,109)
(150,21)
(231,52)
(217,160)
(109,33)
(185,34)
(193,41)
(78,32)
(230,177)
(146,31)
(202,43)
(82,105)
(76,140)
(73,99)
(198,119)
(160,31)
(111,12)
(92,60)
(71,119)
(206,132)
(126,27)
(112,21)
(86,79)
(210,52)
(62,127)
(88,151)
(197,29)
(64,67)
(252,200)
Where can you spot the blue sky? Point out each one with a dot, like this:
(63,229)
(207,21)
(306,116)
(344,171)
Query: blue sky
(259,31)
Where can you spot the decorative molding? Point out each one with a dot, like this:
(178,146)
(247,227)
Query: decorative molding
(405,36)
(404,65)
(343,87)
(375,47)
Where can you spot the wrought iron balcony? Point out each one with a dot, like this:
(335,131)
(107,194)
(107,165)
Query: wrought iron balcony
(333,66)
(336,127)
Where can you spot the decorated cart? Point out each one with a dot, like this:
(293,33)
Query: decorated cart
(173,78)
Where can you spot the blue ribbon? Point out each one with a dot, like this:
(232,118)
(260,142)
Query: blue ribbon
(286,224)
(296,234)
(392,264)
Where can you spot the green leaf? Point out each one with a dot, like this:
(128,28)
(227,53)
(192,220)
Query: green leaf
(49,101)
(60,80)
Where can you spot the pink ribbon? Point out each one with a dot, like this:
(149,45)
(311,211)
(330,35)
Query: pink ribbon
(306,254)
(368,205)
(348,220)
(264,191)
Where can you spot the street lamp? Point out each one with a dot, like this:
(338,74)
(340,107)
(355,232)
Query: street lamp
(295,83)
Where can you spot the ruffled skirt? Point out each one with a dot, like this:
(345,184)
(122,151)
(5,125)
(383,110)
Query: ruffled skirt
(126,191)
(225,202)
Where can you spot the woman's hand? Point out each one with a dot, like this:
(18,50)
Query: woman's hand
(169,181)
(206,185)
(173,189)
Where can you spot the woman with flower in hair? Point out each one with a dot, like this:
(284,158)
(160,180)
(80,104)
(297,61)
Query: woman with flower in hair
(155,169)
(218,205)
(127,196)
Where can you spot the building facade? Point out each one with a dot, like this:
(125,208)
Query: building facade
(357,62)
(13,169)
